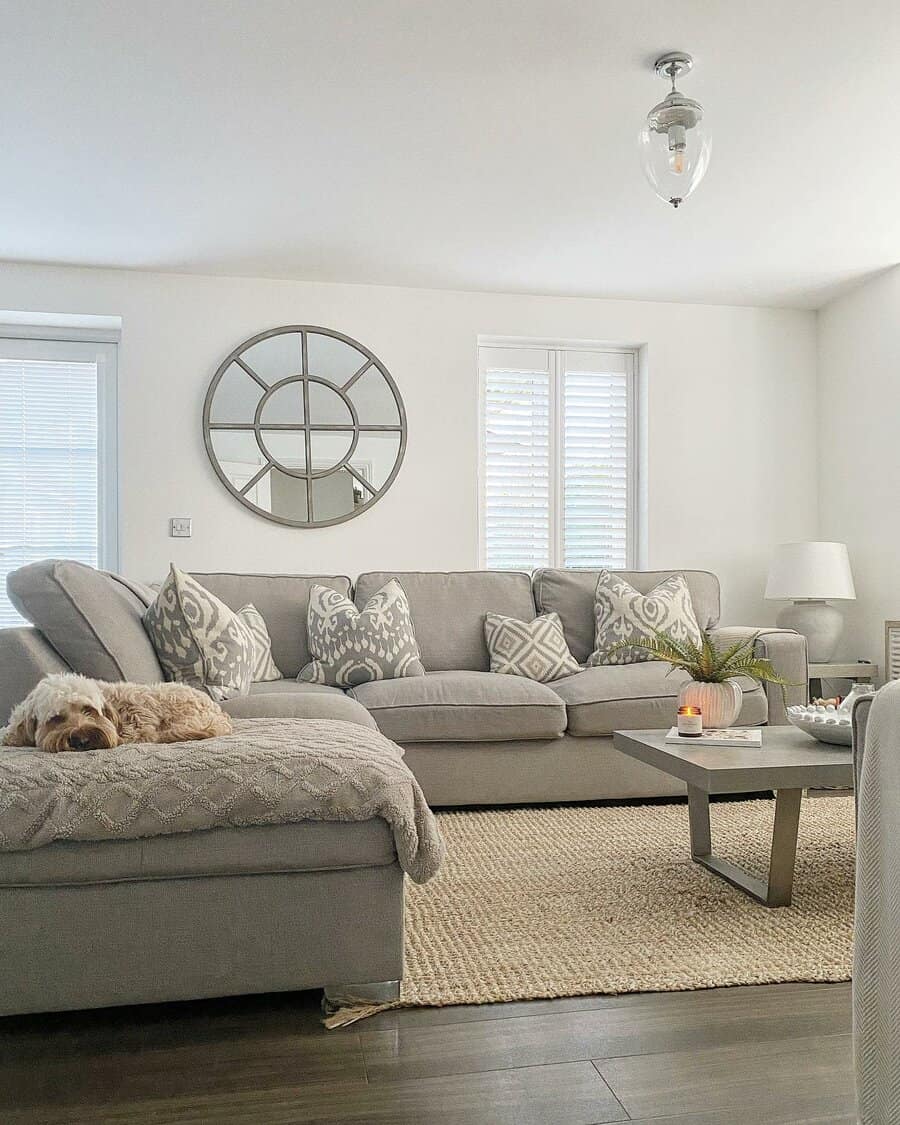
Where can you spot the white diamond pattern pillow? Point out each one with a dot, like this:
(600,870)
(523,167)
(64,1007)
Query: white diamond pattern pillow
(351,646)
(264,667)
(623,614)
(535,649)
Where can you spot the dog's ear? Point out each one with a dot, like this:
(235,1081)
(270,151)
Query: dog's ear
(109,712)
(21,730)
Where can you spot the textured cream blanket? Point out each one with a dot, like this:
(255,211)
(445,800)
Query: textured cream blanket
(269,771)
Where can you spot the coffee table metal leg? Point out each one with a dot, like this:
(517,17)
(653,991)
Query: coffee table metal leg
(784,847)
(777,891)
(698,814)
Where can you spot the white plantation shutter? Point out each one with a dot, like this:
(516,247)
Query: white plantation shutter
(516,469)
(595,463)
(51,457)
(558,457)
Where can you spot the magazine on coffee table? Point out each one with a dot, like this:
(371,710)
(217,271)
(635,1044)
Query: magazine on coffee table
(730,736)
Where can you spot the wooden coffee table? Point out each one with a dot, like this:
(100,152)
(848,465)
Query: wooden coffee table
(788,762)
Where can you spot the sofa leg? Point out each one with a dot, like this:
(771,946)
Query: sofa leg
(372,994)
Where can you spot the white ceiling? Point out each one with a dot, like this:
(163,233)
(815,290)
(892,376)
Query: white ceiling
(467,144)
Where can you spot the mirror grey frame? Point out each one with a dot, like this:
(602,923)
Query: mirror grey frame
(303,377)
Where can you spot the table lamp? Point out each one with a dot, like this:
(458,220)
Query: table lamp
(811,575)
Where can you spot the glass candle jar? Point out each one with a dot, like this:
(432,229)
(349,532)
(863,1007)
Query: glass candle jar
(690,722)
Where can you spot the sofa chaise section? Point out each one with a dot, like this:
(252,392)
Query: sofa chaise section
(222,912)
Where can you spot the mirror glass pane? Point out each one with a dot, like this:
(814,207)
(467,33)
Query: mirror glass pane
(375,456)
(236,397)
(327,408)
(275,358)
(335,495)
(289,497)
(328,449)
(284,406)
(240,459)
(373,400)
(332,359)
(286,447)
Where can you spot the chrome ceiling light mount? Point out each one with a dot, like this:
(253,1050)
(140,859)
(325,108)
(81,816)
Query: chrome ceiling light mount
(674,144)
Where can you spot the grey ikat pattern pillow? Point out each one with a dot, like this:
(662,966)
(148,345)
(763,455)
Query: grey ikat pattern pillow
(198,639)
(623,614)
(351,646)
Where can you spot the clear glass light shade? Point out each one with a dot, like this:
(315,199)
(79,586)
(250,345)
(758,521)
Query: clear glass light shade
(674,164)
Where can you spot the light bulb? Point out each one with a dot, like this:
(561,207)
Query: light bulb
(676,161)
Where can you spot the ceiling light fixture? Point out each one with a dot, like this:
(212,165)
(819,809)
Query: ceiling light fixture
(674,145)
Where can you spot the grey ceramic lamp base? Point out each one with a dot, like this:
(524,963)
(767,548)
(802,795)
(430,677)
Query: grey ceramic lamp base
(819,622)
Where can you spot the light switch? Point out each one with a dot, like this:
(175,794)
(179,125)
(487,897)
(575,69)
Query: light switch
(180,527)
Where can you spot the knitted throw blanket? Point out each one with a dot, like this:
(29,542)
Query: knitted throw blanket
(268,771)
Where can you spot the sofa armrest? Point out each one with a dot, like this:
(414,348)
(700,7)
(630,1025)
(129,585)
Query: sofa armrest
(859,722)
(787,652)
(25,658)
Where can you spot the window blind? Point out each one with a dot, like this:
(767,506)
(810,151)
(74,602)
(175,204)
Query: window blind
(49,459)
(558,484)
(595,469)
(516,469)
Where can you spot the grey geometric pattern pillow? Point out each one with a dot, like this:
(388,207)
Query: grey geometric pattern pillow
(264,667)
(535,649)
(622,614)
(198,639)
(351,646)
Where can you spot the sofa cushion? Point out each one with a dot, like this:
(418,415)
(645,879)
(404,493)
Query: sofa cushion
(306,846)
(198,639)
(570,593)
(448,610)
(306,701)
(91,618)
(352,646)
(463,706)
(637,697)
(282,600)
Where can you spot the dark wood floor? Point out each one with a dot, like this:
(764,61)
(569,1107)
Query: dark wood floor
(768,1055)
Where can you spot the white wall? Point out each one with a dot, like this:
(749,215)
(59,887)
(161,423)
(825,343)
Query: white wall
(731,452)
(859,394)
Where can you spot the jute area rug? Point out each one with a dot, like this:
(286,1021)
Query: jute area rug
(565,901)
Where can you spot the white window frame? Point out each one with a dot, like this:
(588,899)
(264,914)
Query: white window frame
(85,347)
(556,350)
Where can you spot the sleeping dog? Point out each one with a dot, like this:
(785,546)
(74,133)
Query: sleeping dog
(71,712)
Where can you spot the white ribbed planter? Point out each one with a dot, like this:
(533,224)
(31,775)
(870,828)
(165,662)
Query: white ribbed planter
(719,704)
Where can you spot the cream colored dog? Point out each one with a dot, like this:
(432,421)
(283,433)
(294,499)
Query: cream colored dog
(71,712)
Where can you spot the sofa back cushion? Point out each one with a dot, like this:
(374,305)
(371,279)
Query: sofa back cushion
(91,618)
(283,602)
(448,610)
(570,593)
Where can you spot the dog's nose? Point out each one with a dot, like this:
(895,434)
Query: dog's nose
(80,741)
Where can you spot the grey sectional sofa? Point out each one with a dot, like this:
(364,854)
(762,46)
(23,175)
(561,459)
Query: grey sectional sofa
(314,905)
(471,736)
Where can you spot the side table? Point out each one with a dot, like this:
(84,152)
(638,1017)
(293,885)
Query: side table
(852,670)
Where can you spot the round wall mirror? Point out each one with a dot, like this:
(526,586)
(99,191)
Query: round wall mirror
(305,426)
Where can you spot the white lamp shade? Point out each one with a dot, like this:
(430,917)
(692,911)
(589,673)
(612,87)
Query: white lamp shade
(819,571)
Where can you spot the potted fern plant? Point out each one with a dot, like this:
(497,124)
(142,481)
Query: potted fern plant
(713,671)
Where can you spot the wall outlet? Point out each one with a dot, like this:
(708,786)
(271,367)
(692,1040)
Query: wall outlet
(180,527)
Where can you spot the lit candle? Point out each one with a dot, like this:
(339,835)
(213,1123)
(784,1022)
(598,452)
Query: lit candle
(690,722)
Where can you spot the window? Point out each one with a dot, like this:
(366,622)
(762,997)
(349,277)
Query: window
(558,457)
(57,455)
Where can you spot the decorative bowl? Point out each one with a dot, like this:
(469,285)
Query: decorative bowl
(827,724)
